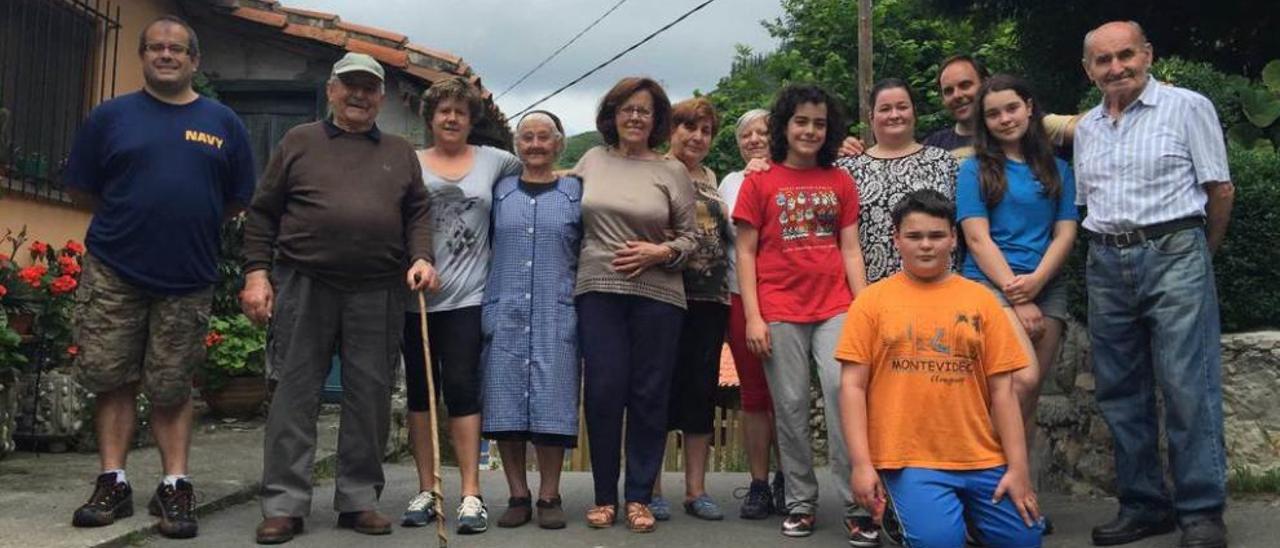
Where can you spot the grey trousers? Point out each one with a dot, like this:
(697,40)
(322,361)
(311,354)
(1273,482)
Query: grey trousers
(787,369)
(310,321)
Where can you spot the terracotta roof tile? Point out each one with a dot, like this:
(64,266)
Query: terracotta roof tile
(309,13)
(395,57)
(398,39)
(728,372)
(451,58)
(329,36)
(427,74)
(260,16)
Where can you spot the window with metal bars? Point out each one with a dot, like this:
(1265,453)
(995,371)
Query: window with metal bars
(57,60)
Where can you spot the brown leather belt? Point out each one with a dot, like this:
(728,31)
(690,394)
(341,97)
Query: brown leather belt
(1138,236)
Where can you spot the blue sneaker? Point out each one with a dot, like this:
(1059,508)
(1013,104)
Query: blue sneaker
(660,508)
(703,507)
(421,510)
(473,517)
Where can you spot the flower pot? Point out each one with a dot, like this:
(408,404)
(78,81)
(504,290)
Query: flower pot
(239,397)
(9,392)
(21,323)
(54,412)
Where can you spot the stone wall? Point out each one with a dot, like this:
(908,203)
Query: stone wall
(1075,443)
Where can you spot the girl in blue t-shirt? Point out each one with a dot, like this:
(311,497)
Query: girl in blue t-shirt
(1016,204)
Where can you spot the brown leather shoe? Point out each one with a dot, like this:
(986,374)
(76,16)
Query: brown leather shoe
(368,522)
(278,530)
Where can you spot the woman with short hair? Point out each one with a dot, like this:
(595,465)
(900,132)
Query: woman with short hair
(460,178)
(638,231)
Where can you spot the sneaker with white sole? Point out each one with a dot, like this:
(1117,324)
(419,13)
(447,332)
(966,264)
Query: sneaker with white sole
(473,517)
(862,531)
(421,510)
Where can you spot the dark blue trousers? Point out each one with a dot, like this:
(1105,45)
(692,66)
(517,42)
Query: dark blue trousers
(629,348)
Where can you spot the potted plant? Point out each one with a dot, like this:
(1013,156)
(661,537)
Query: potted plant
(53,406)
(11,359)
(232,378)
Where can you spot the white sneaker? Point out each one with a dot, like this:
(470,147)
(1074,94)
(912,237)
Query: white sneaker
(473,517)
(421,510)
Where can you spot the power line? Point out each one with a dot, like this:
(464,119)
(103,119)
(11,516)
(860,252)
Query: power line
(562,48)
(612,59)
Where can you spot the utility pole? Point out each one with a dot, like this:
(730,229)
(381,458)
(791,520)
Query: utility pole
(864,69)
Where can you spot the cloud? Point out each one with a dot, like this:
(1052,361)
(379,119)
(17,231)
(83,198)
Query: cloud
(503,39)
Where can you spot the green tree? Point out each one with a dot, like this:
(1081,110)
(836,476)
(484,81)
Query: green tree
(818,44)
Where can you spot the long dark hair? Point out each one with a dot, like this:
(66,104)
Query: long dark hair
(784,106)
(1037,151)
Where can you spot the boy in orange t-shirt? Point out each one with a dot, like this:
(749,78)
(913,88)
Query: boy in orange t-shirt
(927,400)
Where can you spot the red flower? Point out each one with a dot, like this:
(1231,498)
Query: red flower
(3,291)
(3,258)
(32,274)
(38,249)
(73,350)
(73,248)
(212,338)
(68,265)
(62,284)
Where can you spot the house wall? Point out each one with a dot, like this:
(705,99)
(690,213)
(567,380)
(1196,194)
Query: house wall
(230,56)
(57,222)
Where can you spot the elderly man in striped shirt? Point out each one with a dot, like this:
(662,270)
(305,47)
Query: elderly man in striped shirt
(1151,166)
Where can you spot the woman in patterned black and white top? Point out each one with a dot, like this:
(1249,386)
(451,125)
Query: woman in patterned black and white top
(896,166)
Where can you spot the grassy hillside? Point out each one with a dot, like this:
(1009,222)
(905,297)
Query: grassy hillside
(577,145)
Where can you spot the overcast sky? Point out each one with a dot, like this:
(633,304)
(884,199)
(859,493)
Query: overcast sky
(503,39)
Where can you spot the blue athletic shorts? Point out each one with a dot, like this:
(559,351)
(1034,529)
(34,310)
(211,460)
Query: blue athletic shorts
(933,506)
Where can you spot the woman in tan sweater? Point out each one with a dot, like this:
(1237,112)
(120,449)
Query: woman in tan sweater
(638,229)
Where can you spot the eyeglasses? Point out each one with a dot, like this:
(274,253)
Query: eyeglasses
(636,112)
(176,49)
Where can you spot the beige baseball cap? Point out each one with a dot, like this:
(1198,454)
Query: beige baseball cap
(358,62)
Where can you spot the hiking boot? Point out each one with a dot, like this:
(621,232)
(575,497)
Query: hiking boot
(111,500)
(519,512)
(863,532)
(1204,533)
(798,525)
(473,517)
(277,530)
(758,502)
(175,505)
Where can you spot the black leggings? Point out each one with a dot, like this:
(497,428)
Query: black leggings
(455,356)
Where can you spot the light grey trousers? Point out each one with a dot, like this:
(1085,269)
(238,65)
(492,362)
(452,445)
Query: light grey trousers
(794,345)
(310,321)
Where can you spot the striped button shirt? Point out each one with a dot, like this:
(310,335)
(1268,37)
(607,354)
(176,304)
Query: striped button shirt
(1151,165)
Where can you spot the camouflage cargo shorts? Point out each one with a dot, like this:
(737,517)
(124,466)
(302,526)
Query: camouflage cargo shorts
(128,335)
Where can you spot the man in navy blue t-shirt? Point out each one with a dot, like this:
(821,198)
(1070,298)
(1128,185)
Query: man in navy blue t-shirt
(162,168)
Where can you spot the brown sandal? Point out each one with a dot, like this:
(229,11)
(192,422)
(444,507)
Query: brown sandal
(639,518)
(602,517)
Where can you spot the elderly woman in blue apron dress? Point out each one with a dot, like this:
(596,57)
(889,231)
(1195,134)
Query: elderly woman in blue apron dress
(530,359)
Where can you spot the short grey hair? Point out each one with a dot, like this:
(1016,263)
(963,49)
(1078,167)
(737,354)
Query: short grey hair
(1142,35)
(746,119)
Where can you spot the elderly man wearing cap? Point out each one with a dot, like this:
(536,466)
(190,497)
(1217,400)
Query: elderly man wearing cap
(339,215)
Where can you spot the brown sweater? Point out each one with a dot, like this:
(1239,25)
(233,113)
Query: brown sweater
(638,200)
(349,209)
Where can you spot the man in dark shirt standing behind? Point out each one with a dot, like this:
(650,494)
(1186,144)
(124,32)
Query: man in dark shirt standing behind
(340,213)
(162,168)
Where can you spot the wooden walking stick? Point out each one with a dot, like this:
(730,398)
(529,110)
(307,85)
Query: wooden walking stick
(437,485)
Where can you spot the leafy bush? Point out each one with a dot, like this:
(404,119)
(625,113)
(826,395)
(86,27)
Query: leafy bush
(1245,266)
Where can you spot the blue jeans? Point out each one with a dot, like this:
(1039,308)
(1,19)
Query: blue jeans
(1153,321)
(933,506)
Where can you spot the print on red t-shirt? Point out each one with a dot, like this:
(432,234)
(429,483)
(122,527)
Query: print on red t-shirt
(800,275)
